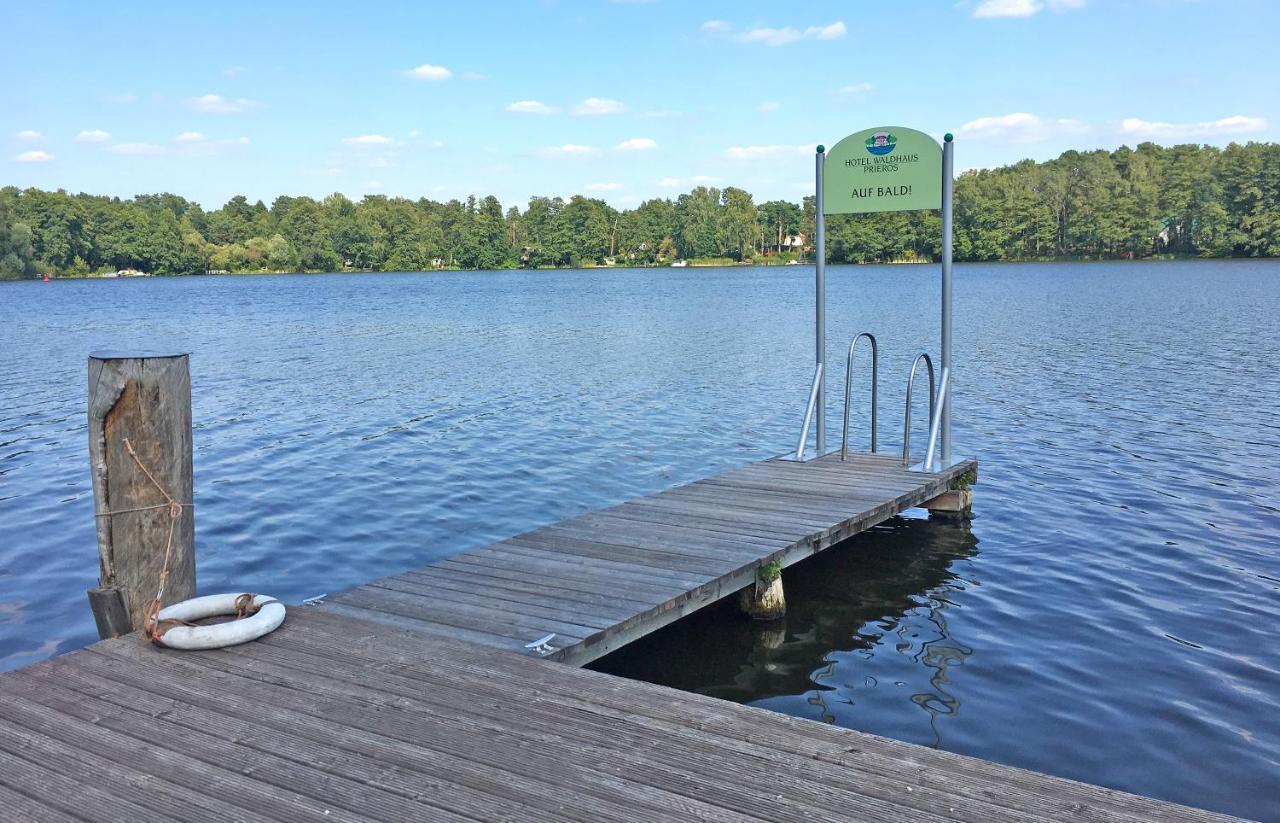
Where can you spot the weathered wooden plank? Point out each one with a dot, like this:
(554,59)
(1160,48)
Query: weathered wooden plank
(491,620)
(596,616)
(569,575)
(457,785)
(43,774)
(325,708)
(1016,789)
(89,742)
(18,806)
(558,592)
(598,548)
(691,768)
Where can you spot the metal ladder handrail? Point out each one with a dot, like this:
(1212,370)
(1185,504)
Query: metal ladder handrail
(933,403)
(808,412)
(937,419)
(848,385)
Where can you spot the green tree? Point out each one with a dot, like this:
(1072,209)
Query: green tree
(17,250)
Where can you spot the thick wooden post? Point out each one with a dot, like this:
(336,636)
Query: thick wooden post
(765,599)
(147,401)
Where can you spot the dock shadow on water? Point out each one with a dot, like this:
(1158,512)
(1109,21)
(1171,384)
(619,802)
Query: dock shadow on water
(865,636)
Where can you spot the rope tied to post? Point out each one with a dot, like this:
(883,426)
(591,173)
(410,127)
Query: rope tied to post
(151,626)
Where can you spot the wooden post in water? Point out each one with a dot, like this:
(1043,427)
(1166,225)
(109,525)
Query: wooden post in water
(765,600)
(146,401)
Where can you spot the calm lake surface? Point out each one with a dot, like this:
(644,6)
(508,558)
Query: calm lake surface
(1111,614)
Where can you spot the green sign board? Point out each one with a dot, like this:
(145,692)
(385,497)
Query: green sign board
(883,169)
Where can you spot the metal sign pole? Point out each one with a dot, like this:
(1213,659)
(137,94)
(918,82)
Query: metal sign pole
(948,153)
(820,301)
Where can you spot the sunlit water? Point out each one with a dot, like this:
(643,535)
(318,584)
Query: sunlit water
(1110,615)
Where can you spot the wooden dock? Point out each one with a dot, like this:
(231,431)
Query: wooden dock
(414,697)
(331,718)
(604,579)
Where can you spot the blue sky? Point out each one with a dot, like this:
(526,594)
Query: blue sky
(622,100)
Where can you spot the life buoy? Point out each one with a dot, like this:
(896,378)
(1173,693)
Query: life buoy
(266,615)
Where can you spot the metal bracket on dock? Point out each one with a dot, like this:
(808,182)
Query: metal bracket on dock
(543,645)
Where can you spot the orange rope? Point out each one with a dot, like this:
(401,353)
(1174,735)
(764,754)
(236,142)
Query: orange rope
(151,616)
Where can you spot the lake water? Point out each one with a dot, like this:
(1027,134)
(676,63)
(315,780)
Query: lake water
(1111,614)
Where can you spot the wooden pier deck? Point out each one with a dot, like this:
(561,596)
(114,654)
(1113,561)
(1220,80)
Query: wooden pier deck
(332,718)
(414,698)
(604,579)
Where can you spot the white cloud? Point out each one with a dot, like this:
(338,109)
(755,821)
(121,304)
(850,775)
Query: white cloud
(532,107)
(368,140)
(428,72)
(660,114)
(1236,124)
(1023,8)
(856,88)
(33,157)
(1021,127)
(27,134)
(373,185)
(782,36)
(598,105)
(189,137)
(770,37)
(137,149)
(768,106)
(1007,8)
(766,152)
(668,183)
(602,186)
(93,136)
(638,144)
(234,71)
(702,179)
(571,150)
(217,104)
(834,31)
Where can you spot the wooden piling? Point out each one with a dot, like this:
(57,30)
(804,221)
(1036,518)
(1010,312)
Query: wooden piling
(145,400)
(765,600)
(956,504)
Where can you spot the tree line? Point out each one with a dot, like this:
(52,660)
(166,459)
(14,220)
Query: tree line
(1184,200)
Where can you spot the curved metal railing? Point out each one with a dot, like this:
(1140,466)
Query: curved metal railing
(848,386)
(933,401)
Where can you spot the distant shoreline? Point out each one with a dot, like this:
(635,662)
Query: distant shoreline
(804,265)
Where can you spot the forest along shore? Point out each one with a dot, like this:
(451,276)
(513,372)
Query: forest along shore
(1184,200)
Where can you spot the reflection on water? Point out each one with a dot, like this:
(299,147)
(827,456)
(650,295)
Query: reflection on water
(866,625)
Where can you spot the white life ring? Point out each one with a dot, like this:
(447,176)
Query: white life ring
(268,617)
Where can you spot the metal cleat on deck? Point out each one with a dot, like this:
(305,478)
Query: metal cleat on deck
(542,646)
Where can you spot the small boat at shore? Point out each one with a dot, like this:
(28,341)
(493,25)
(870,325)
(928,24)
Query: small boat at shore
(679,264)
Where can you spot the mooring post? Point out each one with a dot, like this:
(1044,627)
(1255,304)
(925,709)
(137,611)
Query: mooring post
(141,465)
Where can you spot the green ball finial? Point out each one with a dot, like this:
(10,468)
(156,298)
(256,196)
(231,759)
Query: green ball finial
(948,137)
(821,148)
